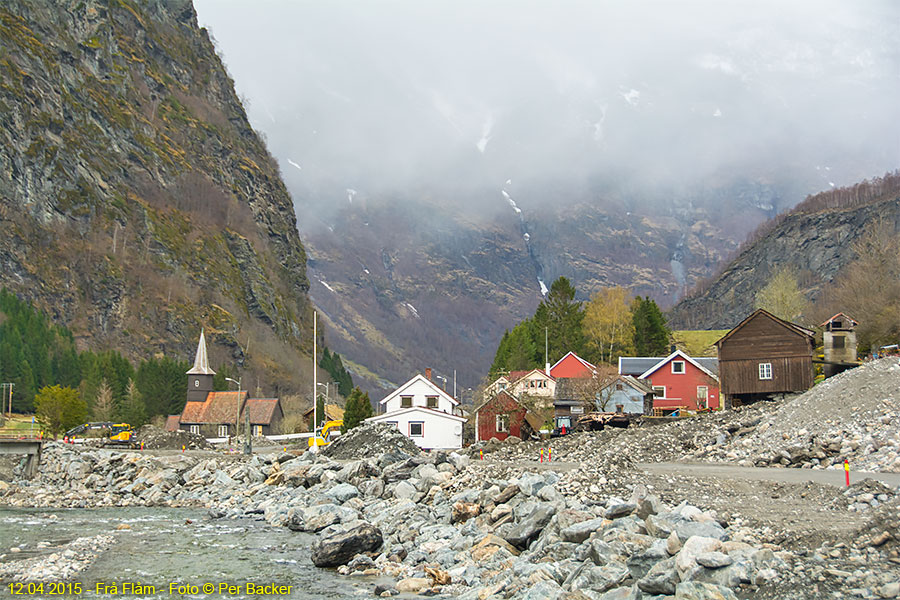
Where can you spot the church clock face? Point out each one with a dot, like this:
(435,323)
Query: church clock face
(196,383)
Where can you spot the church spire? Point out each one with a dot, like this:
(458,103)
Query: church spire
(201,362)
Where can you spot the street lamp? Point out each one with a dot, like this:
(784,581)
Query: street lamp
(237,412)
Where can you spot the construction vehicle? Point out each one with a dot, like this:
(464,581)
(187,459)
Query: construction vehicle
(119,434)
(324,435)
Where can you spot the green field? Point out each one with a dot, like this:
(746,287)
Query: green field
(698,342)
(17,423)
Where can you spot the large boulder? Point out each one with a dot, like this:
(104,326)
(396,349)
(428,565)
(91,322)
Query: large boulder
(337,549)
(522,533)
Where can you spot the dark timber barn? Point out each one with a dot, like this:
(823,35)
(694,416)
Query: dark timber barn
(764,356)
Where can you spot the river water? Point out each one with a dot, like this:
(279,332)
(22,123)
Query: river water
(167,546)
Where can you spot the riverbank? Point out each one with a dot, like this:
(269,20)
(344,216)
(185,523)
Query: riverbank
(462,528)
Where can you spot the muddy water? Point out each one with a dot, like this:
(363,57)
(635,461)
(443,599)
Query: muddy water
(165,546)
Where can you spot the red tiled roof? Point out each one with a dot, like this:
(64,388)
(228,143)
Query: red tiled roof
(219,407)
(173,422)
(261,410)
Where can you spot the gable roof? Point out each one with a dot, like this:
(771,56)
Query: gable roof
(219,407)
(333,412)
(637,365)
(494,397)
(524,374)
(669,358)
(262,410)
(636,384)
(201,361)
(840,314)
(585,363)
(792,327)
(399,391)
(173,422)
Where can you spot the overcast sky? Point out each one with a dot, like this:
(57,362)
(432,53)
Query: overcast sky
(384,96)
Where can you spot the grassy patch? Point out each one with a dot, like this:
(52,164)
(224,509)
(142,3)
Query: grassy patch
(698,342)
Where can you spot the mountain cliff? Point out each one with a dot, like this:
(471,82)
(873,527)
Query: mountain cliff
(816,239)
(137,204)
(408,283)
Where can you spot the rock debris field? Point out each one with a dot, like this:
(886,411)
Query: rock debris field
(593,524)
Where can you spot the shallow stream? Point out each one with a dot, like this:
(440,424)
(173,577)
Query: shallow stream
(165,546)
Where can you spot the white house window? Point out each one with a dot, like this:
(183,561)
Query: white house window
(431,401)
(702,396)
(765,370)
(223,430)
(417,429)
(502,386)
(502,423)
(405,401)
(659,391)
(577,410)
(678,366)
(257,430)
(195,429)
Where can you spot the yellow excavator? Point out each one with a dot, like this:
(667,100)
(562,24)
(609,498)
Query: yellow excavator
(120,434)
(326,433)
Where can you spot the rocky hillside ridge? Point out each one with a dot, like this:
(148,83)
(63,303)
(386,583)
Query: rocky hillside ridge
(136,202)
(407,287)
(817,242)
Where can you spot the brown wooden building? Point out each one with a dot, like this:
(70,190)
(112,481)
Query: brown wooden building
(764,356)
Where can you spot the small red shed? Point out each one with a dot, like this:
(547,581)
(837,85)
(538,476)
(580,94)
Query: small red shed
(499,417)
(679,381)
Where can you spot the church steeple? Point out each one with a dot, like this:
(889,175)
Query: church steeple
(200,377)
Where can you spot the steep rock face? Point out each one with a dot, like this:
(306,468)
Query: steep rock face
(136,202)
(818,244)
(405,286)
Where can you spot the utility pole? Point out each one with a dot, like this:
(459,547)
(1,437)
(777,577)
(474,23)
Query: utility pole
(4,387)
(315,446)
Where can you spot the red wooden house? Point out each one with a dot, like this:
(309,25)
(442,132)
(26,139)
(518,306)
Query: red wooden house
(679,381)
(572,366)
(500,417)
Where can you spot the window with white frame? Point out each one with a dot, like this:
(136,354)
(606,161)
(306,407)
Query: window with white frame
(659,391)
(577,410)
(416,429)
(765,370)
(502,423)
(223,430)
(678,367)
(195,429)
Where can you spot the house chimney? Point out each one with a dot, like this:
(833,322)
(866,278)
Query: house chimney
(428,373)
(547,368)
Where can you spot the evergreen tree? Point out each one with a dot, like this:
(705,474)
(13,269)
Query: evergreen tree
(163,385)
(562,317)
(331,362)
(651,335)
(133,411)
(357,409)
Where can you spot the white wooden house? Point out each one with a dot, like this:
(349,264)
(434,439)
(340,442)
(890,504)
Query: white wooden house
(423,412)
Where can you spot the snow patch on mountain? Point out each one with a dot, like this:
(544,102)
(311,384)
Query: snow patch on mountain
(293,164)
(511,202)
